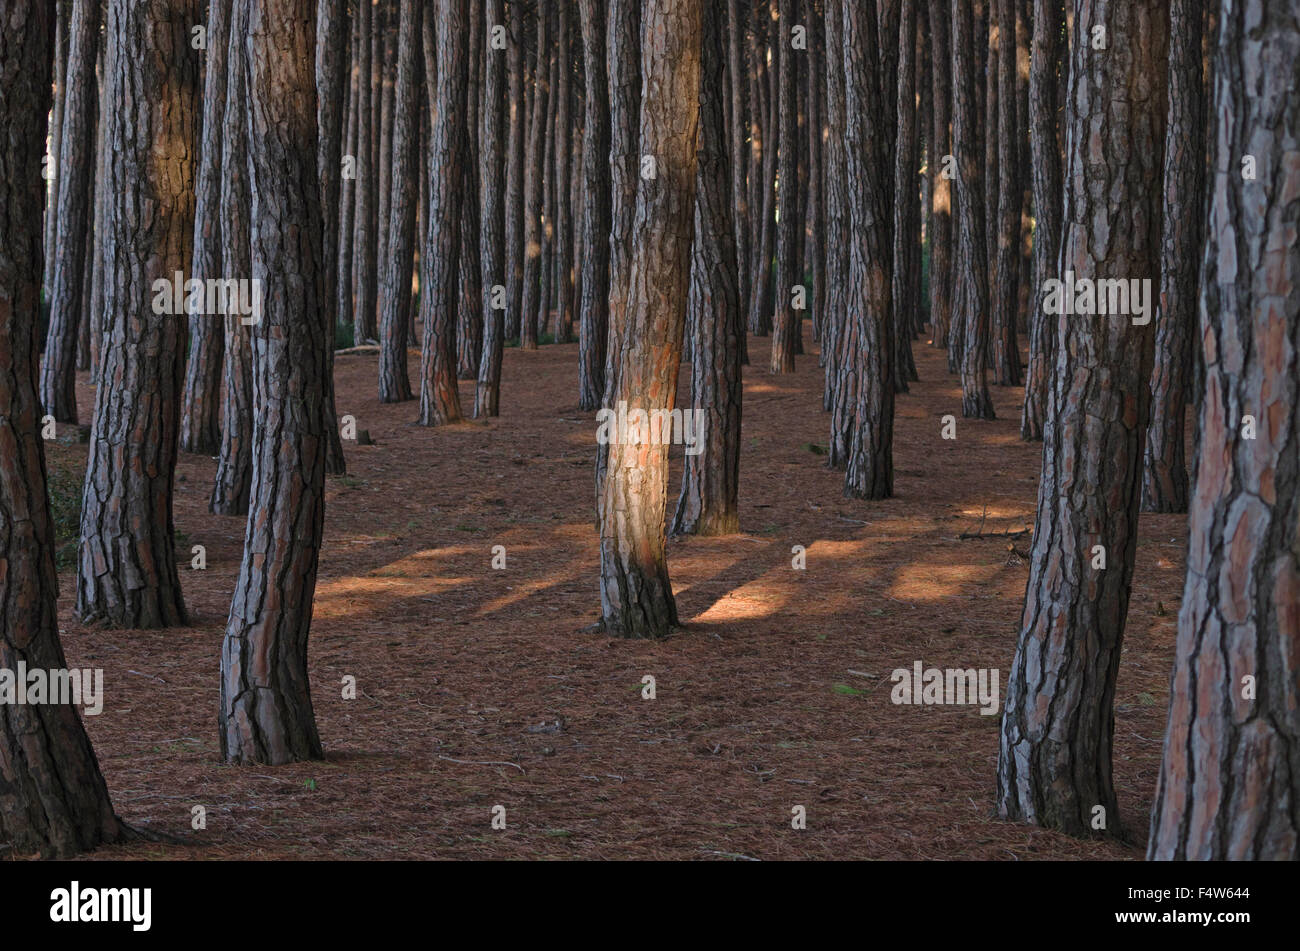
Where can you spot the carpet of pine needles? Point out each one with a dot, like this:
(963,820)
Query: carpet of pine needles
(480,688)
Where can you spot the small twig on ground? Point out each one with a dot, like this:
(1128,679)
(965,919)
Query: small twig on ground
(490,762)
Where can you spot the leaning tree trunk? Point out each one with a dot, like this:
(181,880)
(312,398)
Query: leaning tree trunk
(1054,767)
(232,485)
(201,402)
(1045,141)
(75,162)
(492,233)
(785,325)
(266,712)
(1228,784)
(869,468)
(593,318)
(1164,474)
(970,277)
(53,799)
(395,290)
(126,573)
(1006,285)
(635,593)
(332,101)
(938,149)
(709,503)
(439,291)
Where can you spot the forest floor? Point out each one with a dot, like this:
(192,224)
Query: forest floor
(479,687)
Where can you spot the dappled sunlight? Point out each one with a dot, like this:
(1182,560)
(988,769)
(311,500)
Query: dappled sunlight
(935,582)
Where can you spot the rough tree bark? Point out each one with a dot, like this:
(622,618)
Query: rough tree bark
(395,289)
(785,323)
(593,319)
(331,71)
(1228,785)
(518,125)
(53,799)
(126,571)
(439,397)
(635,592)
(73,212)
(1046,58)
(492,235)
(738,80)
(534,176)
(939,148)
(869,468)
(232,485)
(563,154)
(970,271)
(709,503)
(839,375)
(906,199)
(1006,283)
(469,322)
(1164,471)
(364,251)
(1054,766)
(266,712)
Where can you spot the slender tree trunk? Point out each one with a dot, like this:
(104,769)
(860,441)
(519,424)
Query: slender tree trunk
(535,163)
(837,326)
(869,470)
(1164,473)
(395,291)
(709,503)
(550,183)
(331,63)
(907,200)
(563,154)
(814,216)
(1006,297)
(95,316)
(126,574)
(201,402)
(1054,767)
(51,210)
(469,323)
(387,12)
(348,184)
(636,595)
(53,799)
(1228,785)
(760,305)
(970,311)
(266,711)
(515,174)
(785,326)
(233,483)
(737,77)
(1046,58)
(72,217)
(439,398)
(593,320)
(364,250)
(492,237)
(940,147)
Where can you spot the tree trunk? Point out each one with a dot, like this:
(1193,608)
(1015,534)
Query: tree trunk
(386,26)
(738,79)
(836,323)
(55,130)
(709,503)
(760,304)
(971,286)
(1006,297)
(907,200)
(492,236)
(938,149)
(563,153)
(1164,473)
(266,711)
(1049,47)
(636,595)
(126,573)
(53,799)
(1228,785)
(535,163)
(1054,767)
(439,398)
(593,320)
(515,173)
(75,162)
(232,485)
(348,184)
(364,250)
(201,402)
(785,326)
(331,66)
(469,323)
(395,292)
